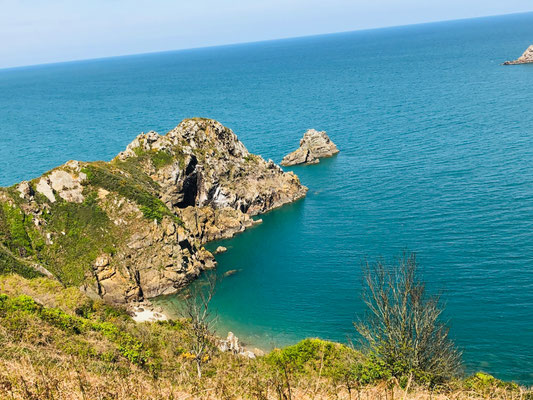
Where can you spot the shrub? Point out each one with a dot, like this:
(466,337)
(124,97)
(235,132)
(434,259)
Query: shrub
(485,384)
(311,354)
(402,326)
(82,231)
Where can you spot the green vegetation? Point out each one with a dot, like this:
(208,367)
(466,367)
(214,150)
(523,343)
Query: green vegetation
(15,220)
(16,243)
(104,176)
(158,158)
(161,159)
(10,264)
(78,233)
(81,232)
(487,384)
(17,231)
(18,310)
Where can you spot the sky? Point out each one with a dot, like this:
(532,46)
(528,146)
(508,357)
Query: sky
(45,31)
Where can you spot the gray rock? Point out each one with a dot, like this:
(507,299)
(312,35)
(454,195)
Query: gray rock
(230,272)
(45,189)
(210,187)
(67,186)
(313,146)
(25,189)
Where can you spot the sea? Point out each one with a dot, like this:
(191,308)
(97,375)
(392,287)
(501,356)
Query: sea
(436,158)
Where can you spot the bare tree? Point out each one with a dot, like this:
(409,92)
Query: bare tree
(196,309)
(402,325)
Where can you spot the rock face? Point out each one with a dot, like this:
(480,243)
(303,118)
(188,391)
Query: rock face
(525,58)
(313,146)
(134,228)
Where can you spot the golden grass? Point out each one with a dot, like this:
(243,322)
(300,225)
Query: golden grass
(43,361)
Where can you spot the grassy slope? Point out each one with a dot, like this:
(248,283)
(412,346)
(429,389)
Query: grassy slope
(56,343)
(79,232)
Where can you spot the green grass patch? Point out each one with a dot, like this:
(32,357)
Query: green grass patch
(10,265)
(14,223)
(81,232)
(161,159)
(105,177)
(128,346)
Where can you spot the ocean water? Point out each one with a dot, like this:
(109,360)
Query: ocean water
(436,141)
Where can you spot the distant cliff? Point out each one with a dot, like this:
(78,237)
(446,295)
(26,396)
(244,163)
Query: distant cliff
(133,228)
(525,58)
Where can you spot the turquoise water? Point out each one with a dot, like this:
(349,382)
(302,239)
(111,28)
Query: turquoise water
(436,142)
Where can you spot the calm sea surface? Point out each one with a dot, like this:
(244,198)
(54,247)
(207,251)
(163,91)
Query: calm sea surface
(436,142)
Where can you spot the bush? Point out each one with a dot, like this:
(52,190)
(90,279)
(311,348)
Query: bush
(486,384)
(312,355)
(402,326)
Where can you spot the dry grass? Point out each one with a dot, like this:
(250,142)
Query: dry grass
(28,380)
(40,359)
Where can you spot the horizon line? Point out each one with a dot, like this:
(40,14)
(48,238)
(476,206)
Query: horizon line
(79,60)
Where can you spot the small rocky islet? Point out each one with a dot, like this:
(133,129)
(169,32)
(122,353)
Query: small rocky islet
(526,58)
(134,228)
(313,146)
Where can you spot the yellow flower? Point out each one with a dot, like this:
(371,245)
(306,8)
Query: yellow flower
(188,356)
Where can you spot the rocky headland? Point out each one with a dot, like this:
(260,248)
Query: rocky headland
(313,146)
(134,228)
(525,58)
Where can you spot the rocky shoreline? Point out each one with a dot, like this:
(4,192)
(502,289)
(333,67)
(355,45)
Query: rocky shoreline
(146,311)
(134,228)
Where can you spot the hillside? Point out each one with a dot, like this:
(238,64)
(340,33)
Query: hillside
(57,343)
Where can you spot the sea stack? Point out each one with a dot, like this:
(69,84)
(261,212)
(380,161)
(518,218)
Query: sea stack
(525,58)
(313,146)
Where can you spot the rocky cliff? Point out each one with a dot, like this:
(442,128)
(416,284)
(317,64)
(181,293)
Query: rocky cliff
(525,58)
(313,146)
(133,228)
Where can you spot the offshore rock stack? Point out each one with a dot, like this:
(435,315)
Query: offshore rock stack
(313,146)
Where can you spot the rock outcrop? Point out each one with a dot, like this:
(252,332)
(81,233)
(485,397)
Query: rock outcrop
(220,250)
(525,58)
(313,146)
(134,228)
(233,345)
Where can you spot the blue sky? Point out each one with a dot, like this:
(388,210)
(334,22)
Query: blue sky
(43,31)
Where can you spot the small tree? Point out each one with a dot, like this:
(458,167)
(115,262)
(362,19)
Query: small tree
(196,309)
(402,326)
